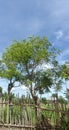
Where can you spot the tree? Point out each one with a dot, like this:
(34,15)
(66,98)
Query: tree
(26,59)
(57,79)
(9,72)
(65,73)
(62,100)
(0,91)
(58,88)
(67,94)
(5,96)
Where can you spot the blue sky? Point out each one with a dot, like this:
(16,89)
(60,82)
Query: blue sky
(22,18)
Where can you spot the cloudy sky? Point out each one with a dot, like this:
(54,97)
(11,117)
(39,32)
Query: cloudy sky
(22,18)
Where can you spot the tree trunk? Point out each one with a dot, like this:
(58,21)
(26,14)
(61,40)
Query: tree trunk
(10,86)
(57,109)
(35,98)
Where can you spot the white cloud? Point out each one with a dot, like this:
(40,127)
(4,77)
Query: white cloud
(59,34)
(22,87)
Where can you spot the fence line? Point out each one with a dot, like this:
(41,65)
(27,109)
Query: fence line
(19,115)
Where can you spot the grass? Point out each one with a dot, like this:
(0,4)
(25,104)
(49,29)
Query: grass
(26,114)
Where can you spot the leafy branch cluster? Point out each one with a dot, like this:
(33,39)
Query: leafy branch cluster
(33,63)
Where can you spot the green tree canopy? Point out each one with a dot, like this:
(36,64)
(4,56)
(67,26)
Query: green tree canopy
(23,61)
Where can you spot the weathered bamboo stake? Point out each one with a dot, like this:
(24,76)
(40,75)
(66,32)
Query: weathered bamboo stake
(8,113)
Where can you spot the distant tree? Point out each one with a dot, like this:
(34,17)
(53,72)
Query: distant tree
(58,88)
(54,95)
(5,96)
(44,100)
(57,79)
(0,91)
(67,94)
(65,75)
(62,100)
(65,72)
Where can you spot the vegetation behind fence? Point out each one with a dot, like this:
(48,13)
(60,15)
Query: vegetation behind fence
(20,114)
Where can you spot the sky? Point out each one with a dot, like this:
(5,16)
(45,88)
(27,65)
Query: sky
(20,19)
